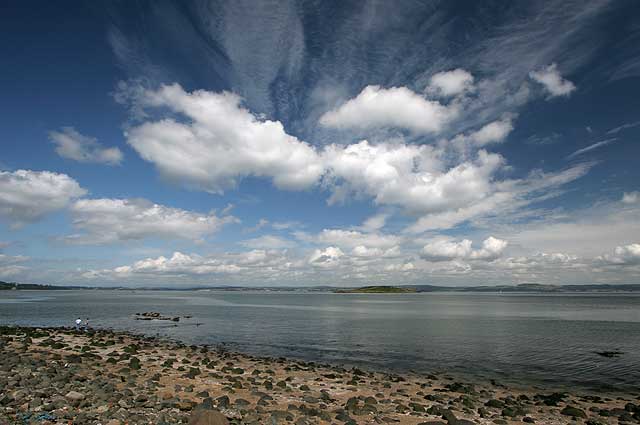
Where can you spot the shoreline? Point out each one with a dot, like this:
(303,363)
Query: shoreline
(57,375)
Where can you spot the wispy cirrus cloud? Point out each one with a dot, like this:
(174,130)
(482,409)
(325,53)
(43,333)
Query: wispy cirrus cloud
(591,147)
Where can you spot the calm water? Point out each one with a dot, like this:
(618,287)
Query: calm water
(520,339)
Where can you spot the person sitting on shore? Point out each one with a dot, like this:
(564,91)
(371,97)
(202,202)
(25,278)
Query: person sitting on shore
(86,324)
(78,323)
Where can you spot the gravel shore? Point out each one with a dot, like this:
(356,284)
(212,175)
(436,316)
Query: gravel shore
(63,376)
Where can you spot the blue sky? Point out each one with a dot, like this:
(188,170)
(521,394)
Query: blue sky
(320,143)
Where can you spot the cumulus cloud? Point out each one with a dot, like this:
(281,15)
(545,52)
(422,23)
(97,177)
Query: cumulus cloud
(451,83)
(623,255)
(27,196)
(491,249)
(219,142)
(411,176)
(398,107)
(630,197)
(73,145)
(114,220)
(177,264)
(447,250)
(254,264)
(552,81)
(326,258)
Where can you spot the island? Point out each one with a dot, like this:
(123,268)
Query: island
(377,290)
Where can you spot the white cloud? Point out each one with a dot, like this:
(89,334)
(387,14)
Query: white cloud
(73,145)
(268,242)
(26,196)
(591,147)
(362,251)
(411,176)
(622,127)
(623,255)
(451,83)
(351,238)
(398,107)
(503,199)
(552,81)
(494,132)
(446,250)
(255,265)
(586,232)
(630,197)
(177,264)
(220,142)
(540,264)
(326,258)
(115,220)
(404,267)
(491,249)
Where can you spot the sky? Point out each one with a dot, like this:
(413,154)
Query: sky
(342,143)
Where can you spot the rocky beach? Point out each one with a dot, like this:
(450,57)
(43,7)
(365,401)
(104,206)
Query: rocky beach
(65,376)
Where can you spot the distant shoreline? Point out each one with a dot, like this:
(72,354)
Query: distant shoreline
(371,289)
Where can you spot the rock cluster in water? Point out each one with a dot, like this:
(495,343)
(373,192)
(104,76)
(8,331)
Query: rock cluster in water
(62,376)
(154,315)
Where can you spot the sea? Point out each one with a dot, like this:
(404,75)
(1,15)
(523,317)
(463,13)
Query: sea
(550,341)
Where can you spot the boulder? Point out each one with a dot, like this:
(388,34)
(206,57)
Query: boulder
(573,411)
(207,417)
(74,396)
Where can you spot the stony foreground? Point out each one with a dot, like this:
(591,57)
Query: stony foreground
(61,376)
